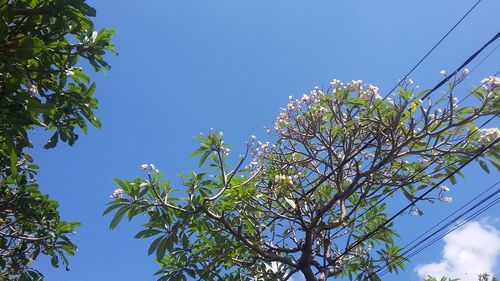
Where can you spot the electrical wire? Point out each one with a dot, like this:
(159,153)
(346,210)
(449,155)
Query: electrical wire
(421,197)
(411,252)
(427,192)
(442,82)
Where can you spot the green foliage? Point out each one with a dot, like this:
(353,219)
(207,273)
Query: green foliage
(298,203)
(41,86)
(481,277)
(430,278)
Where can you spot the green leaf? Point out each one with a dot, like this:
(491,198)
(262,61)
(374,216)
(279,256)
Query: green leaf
(198,151)
(13,158)
(87,10)
(154,245)
(497,166)
(484,166)
(54,261)
(162,248)
(203,158)
(52,142)
(147,233)
(27,47)
(374,277)
(118,216)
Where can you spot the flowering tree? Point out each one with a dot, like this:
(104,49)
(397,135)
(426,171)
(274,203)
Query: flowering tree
(307,201)
(41,86)
(481,277)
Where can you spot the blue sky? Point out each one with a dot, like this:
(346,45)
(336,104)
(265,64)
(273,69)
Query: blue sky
(187,66)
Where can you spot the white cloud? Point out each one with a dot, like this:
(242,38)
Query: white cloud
(468,251)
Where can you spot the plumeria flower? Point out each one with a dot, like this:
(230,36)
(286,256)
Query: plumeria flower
(117,193)
(283,180)
(488,135)
(491,83)
(33,89)
(415,212)
(446,199)
(144,167)
(69,72)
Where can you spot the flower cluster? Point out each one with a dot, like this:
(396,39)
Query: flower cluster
(283,180)
(33,89)
(336,85)
(311,102)
(92,38)
(462,76)
(70,71)
(491,83)
(294,108)
(355,85)
(445,199)
(152,168)
(488,135)
(367,92)
(370,93)
(117,193)
(282,120)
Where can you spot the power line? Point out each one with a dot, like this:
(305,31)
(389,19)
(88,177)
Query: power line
(443,81)
(418,173)
(432,188)
(409,249)
(466,220)
(435,46)
(371,233)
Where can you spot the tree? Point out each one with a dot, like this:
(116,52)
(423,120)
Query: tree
(41,86)
(313,200)
(481,277)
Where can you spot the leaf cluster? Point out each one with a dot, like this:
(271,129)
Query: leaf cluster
(43,46)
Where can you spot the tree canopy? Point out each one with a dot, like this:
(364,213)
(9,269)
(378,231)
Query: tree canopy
(42,85)
(313,198)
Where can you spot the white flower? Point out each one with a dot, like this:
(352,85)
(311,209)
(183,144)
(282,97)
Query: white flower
(442,72)
(152,166)
(281,121)
(390,101)
(415,212)
(69,72)
(488,135)
(444,188)
(446,199)
(465,72)
(370,93)
(283,180)
(144,167)
(253,137)
(117,193)
(491,83)
(92,38)
(33,89)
